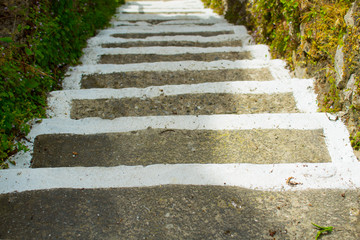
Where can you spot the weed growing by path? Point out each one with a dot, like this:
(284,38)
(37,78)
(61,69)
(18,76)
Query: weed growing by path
(322,230)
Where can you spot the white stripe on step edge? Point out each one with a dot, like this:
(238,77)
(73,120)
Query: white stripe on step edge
(251,176)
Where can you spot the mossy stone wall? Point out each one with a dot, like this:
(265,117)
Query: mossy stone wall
(319,39)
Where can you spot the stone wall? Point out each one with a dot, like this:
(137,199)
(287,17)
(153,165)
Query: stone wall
(337,75)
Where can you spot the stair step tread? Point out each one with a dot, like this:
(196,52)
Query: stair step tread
(140,58)
(163,212)
(172,146)
(184,104)
(231,43)
(173,54)
(157,78)
(174,16)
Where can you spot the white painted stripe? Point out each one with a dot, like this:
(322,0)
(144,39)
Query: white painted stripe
(304,94)
(172,7)
(60,101)
(92,55)
(163,11)
(106,35)
(273,177)
(165,4)
(300,121)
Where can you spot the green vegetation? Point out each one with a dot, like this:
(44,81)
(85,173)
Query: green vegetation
(217,5)
(322,230)
(307,34)
(33,59)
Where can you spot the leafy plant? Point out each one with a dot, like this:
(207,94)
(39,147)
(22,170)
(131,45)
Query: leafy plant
(322,230)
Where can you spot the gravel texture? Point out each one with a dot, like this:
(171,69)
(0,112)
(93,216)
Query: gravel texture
(142,79)
(141,58)
(169,146)
(179,212)
(184,104)
(145,35)
(235,43)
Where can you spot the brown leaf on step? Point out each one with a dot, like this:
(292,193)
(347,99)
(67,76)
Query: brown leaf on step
(290,181)
(272,233)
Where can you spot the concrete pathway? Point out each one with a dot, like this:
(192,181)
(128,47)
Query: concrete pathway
(176,126)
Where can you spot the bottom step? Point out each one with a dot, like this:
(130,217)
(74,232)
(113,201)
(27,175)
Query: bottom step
(178,212)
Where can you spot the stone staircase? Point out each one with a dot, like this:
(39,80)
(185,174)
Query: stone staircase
(176,126)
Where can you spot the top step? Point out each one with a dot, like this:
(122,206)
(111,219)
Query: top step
(168,16)
(155,7)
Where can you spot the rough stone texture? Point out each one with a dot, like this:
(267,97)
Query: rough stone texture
(145,35)
(160,146)
(349,18)
(184,104)
(141,58)
(143,79)
(349,91)
(178,212)
(339,65)
(234,43)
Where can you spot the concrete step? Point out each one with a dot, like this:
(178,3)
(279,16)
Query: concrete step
(192,71)
(184,5)
(231,43)
(145,35)
(165,4)
(172,54)
(204,98)
(184,104)
(168,30)
(169,17)
(178,212)
(144,79)
(151,57)
(152,22)
(140,10)
(172,146)
(316,125)
(177,34)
